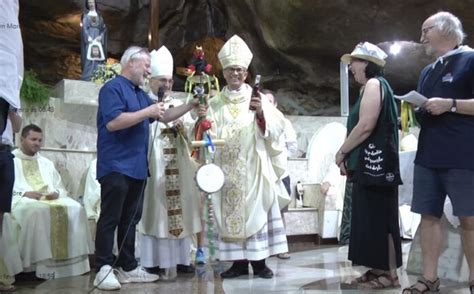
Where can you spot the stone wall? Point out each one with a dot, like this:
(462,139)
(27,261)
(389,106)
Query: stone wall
(296,44)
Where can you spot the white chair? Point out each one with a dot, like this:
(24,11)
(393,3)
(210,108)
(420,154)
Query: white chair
(322,168)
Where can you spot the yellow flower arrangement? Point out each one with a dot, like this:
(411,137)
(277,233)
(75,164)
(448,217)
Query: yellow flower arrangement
(106,72)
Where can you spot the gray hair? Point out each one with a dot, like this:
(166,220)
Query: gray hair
(133,52)
(449,25)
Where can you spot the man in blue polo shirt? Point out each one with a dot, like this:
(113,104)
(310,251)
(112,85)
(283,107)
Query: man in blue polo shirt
(123,118)
(444,164)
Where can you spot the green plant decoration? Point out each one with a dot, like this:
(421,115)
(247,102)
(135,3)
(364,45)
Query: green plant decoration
(33,92)
(106,72)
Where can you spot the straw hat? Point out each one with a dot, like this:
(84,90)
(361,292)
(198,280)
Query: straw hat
(366,51)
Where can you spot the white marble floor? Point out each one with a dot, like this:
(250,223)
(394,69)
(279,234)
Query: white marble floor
(322,270)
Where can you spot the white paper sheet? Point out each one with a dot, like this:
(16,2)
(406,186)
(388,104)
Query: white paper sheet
(413,97)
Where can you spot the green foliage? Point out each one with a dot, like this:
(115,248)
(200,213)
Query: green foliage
(106,72)
(33,91)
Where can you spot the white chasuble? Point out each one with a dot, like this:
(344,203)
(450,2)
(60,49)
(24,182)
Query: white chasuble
(58,212)
(53,237)
(250,188)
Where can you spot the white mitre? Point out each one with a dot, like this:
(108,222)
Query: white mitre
(235,52)
(161,62)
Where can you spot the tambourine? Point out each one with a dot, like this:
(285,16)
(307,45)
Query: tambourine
(210,178)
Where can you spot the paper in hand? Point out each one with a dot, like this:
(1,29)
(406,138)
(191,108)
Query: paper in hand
(413,97)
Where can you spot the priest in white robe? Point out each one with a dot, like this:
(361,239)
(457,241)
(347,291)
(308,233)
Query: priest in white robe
(171,205)
(246,210)
(53,238)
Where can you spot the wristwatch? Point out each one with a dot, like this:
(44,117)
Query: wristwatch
(453,106)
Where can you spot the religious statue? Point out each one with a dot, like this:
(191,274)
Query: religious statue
(93,40)
(197,82)
(198,63)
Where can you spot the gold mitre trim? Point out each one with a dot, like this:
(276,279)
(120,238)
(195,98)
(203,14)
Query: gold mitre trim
(235,52)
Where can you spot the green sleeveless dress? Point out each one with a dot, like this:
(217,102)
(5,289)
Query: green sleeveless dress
(374,209)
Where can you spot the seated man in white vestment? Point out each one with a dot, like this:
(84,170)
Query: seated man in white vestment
(171,205)
(53,237)
(246,209)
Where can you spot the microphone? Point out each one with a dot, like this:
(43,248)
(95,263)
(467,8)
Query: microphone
(160,94)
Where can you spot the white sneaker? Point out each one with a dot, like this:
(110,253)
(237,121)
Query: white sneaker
(105,279)
(138,275)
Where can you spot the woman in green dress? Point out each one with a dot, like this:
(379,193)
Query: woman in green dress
(375,235)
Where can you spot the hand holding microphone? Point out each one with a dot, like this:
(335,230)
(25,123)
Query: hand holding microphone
(157,110)
(160,94)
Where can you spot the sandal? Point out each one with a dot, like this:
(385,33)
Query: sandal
(384,281)
(367,277)
(430,287)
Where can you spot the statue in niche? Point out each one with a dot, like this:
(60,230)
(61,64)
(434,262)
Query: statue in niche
(93,40)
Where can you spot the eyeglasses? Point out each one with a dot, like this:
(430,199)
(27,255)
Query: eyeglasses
(237,70)
(424,31)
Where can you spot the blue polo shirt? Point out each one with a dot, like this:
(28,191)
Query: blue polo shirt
(447,140)
(124,151)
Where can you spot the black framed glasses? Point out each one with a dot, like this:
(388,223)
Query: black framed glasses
(237,70)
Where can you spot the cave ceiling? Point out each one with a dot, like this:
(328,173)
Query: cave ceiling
(296,43)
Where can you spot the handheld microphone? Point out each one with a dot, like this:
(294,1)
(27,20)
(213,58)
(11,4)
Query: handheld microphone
(160,94)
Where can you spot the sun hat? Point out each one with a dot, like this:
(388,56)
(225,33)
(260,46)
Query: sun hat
(366,51)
